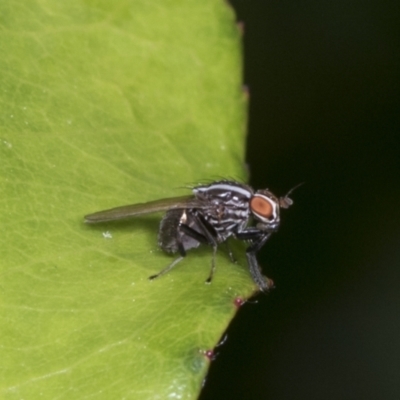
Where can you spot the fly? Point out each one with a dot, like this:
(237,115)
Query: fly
(210,215)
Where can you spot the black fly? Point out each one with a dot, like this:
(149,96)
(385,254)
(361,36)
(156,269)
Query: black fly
(211,215)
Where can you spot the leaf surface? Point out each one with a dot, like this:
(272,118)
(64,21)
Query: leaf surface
(105,104)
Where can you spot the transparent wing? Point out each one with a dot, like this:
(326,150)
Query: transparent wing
(133,210)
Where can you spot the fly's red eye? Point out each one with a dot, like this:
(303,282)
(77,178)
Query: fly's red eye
(261,206)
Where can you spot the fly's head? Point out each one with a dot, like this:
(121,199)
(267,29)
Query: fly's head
(265,208)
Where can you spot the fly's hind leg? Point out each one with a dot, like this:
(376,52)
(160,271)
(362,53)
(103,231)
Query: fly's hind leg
(170,238)
(167,269)
(178,236)
(182,253)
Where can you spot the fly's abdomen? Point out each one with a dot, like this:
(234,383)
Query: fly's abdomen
(168,231)
(170,237)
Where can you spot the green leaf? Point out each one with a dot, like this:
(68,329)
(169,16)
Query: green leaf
(103,104)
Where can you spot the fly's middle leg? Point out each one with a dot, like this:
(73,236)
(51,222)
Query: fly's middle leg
(208,236)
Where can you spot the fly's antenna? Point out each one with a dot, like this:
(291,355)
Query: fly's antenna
(286,201)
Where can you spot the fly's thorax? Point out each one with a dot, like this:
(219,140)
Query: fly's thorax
(223,190)
(225,218)
(227,206)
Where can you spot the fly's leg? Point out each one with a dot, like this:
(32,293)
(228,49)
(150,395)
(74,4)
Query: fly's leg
(167,269)
(182,253)
(257,239)
(209,279)
(185,229)
(173,238)
(230,253)
(255,236)
(210,234)
(264,283)
(194,234)
(206,236)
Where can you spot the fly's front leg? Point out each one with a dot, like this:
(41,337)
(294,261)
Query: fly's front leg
(263,282)
(257,239)
(259,242)
(254,234)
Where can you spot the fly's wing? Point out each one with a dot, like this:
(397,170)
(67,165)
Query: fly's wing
(134,210)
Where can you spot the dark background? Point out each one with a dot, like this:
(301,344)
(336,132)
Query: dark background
(324,110)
